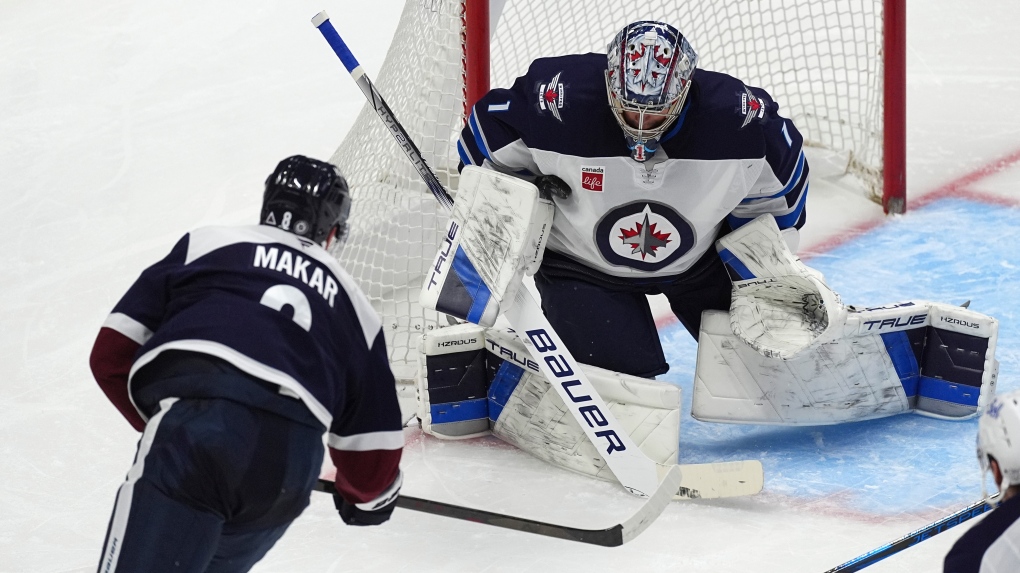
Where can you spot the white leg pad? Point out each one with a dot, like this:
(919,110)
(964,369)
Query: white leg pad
(452,383)
(529,415)
(932,358)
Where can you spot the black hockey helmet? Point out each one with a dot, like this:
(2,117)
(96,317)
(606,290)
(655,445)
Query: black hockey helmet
(307,197)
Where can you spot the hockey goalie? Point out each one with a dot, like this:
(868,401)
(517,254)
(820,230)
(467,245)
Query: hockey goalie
(788,351)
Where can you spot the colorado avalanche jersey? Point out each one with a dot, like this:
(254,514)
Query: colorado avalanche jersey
(279,308)
(729,157)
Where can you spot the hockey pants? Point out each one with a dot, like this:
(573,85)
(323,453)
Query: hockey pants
(214,485)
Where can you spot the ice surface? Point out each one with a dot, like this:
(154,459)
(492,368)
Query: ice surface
(125,124)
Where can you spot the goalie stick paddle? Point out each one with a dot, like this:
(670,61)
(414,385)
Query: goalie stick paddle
(635,471)
(911,539)
(613,536)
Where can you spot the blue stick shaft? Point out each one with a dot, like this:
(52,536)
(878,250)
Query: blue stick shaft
(913,538)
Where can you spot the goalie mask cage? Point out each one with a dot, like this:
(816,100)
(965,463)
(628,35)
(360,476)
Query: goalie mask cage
(836,67)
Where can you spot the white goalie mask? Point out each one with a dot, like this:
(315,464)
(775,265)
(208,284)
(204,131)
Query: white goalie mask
(999,438)
(650,65)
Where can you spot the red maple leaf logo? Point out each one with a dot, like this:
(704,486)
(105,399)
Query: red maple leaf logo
(644,239)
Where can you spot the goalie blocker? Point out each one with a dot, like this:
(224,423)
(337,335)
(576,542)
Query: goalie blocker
(475,381)
(789,352)
(496,236)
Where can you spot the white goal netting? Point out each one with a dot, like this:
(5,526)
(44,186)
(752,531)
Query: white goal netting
(820,59)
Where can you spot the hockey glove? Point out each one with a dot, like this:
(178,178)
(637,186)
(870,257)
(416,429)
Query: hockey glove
(375,512)
(550,186)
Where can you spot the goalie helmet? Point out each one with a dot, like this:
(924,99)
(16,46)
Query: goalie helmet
(307,197)
(650,65)
(999,438)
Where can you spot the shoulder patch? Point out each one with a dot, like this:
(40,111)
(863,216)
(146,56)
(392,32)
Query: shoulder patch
(550,96)
(751,107)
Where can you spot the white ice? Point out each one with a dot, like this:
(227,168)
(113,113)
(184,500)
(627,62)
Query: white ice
(125,124)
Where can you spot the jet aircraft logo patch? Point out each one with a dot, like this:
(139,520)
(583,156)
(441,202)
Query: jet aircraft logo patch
(550,96)
(752,107)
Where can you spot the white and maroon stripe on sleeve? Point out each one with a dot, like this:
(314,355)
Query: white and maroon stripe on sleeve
(366,464)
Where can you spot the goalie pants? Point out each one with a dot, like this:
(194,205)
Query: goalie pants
(214,485)
(605,321)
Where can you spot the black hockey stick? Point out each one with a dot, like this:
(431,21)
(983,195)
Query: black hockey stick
(613,536)
(915,537)
(321,21)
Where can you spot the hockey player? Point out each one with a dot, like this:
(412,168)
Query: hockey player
(993,544)
(233,355)
(650,178)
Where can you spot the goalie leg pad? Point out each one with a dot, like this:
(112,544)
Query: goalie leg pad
(947,362)
(849,380)
(452,386)
(525,411)
(932,358)
(496,236)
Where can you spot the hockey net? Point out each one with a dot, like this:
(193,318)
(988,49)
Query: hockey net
(822,60)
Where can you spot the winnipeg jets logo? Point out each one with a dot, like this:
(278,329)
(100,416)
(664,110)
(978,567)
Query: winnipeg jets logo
(550,96)
(643,239)
(643,235)
(752,107)
(648,64)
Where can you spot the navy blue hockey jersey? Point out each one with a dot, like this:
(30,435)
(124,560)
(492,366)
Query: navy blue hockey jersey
(729,157)
(992,545)
(280,308)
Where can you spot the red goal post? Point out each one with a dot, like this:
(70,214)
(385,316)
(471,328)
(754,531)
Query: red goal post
(836,67)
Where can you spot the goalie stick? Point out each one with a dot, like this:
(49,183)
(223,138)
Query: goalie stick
(613,536)
(635,471)
(913,538)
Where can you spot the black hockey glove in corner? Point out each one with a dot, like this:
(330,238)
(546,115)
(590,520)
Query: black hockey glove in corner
(375,512)
(550,186)
(353,515)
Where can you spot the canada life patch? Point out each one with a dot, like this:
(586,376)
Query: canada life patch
(643,235)
(592,178)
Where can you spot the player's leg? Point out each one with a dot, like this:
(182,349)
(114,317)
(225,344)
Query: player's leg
(151,529)
(240,550)
(207,468)
(271,487)
(706,286)
(603,326)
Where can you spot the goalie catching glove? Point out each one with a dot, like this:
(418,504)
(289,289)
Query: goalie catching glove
(780,307)
(496,236)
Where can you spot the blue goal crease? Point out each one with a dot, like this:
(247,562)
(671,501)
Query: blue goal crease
(949,251)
